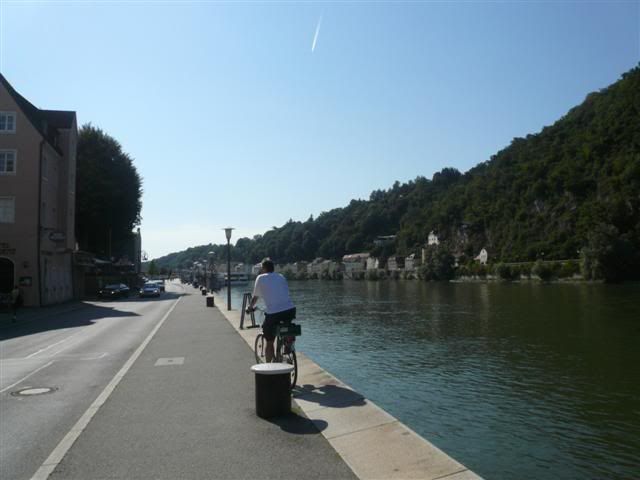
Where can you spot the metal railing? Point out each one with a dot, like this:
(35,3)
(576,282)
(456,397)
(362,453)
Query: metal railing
(246,301)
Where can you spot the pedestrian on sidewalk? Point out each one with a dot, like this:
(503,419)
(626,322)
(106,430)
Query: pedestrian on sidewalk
(16,301)
(273,289)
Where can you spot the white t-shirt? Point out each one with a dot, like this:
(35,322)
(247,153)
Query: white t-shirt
(272,288)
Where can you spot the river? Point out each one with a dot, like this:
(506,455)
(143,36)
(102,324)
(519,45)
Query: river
(527,381)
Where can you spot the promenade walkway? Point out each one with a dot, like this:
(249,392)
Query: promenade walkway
(186,410)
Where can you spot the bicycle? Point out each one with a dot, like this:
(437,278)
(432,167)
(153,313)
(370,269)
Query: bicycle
(284,348)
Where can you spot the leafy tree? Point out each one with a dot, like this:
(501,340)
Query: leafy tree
(108,193)
(438,264)
(542,270)
(153,268)
(608,255)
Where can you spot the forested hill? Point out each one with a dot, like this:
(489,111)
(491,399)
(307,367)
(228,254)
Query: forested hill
(575,184)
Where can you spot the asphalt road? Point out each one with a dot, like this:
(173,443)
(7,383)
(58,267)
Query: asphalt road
(76,354)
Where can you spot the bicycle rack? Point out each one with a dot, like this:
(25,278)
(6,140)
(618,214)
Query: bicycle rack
(246,301)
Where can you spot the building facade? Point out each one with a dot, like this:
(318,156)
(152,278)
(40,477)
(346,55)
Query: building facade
(37,199)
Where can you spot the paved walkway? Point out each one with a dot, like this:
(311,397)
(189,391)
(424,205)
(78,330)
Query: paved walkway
(195,417)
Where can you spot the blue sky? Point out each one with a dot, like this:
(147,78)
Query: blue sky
(233,120)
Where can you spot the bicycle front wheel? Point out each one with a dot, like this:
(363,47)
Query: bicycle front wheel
(260,348)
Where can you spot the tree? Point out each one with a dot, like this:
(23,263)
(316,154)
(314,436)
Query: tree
(108,193)
(153,268)
(608,255)
(438,264)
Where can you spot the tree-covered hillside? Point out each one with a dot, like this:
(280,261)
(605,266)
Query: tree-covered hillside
(573,187)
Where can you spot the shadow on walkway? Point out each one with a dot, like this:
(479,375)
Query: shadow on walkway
(298,425)
(332,396)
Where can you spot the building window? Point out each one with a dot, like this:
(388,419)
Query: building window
(7,122)
(7,162)
(7,209)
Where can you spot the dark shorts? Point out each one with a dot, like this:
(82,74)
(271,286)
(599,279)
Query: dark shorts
(272,319)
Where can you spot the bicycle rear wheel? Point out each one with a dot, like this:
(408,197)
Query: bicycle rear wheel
(291,359)
(259,348)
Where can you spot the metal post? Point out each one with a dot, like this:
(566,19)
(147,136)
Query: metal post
(227,232)
(228,275)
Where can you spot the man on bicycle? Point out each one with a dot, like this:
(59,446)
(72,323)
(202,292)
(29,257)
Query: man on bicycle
(274,291)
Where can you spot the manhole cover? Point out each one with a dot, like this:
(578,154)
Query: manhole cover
(29,391)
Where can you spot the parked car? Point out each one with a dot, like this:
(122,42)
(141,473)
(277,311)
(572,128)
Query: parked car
(160,284)
(116,290)
(150,289)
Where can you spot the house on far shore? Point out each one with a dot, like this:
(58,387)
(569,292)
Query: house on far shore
(315,267)
(395,263)
(432,239)
(355,264)
(482,257)
(300,267)
(373,263)
(330,267)
(383,240)
(411,263)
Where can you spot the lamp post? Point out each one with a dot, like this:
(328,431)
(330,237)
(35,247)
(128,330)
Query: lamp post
(212,268)
(227,233)
(204,276)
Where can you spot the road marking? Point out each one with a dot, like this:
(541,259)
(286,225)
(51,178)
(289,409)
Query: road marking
(169,361)
(52,345)
(66,443)
(69,356)
(24,378)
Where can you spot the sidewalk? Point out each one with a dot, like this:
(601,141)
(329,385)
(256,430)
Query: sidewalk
(194,417)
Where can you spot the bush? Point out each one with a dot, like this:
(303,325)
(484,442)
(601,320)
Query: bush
(525,269)
(479,270)
(438,264)
(543,270)
(568,269)
(609,256)
(505,272)
(463,271)
(516,272)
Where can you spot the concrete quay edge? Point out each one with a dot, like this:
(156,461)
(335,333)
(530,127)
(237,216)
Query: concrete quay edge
(373,443)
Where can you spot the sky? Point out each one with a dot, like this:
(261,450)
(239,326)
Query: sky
(248,114)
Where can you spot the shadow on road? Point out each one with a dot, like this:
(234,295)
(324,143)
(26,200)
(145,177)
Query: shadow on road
(84,314)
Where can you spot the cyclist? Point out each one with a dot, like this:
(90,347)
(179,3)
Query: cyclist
(272,288)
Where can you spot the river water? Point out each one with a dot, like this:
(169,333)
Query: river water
(516,381)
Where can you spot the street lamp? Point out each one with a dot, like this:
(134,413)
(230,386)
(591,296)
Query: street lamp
(204,276)
(227,233)
(212,267)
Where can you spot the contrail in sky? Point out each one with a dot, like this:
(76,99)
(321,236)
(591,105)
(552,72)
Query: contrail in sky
(315,37)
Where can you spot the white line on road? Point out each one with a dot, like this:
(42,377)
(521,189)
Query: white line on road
(68,356)
(65,444)
(24,378)
(52,345)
